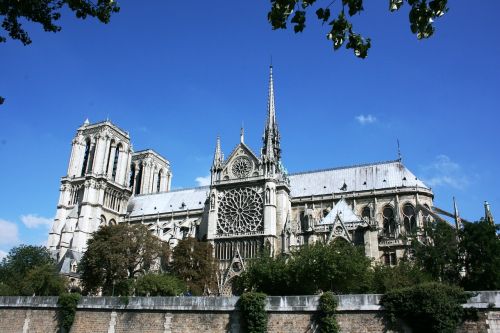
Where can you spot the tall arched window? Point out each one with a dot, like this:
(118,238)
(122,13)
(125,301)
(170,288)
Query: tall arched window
(139,180)
(109,155)
(85,157)
(158,182)
(409,219)
(366,213)
(132,176)
(389,221)
(115,161)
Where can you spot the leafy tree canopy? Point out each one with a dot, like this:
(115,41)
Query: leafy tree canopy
(439,254)
(337,266)
(153,284)
(422,15)
(30,270)
(47,13)
(429,307)
(193,262)
(117,254)
(480,250)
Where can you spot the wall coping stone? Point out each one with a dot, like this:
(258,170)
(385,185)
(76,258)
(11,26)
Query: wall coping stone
(361,302)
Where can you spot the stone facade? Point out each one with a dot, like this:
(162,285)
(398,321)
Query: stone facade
(252,202)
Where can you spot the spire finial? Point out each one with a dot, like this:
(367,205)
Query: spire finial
(242,133)
(218,154)
(400,158)
(488,217)
(458,220)
(86,122)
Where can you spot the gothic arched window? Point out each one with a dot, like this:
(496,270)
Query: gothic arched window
(115,161)
(85,157)
(158,181)
(389,221)
(139,180)
(366,213)
(409,219)
(132,176)
(109,155)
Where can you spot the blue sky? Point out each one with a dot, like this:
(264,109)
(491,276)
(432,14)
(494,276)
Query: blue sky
(177,74)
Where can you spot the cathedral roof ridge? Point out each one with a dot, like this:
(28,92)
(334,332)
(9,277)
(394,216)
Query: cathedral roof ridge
(193,188)
(151,151)
(345,167)
(110,124)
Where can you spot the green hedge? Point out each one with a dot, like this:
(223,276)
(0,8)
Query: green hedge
(253,311)
(429,307)
(327,309)
(67,308)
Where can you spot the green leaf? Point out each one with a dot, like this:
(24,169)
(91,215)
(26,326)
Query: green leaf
(323,14)
(299,19)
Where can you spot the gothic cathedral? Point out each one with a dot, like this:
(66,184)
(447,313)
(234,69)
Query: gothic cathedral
(251,204)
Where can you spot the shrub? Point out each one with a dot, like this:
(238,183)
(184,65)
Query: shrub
(327,309)
(67,308)
(253,311)
(429,307)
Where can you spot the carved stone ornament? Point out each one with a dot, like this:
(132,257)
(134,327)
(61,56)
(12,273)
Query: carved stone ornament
(240,211)
(242,166)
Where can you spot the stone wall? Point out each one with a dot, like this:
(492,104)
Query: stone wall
(292,314)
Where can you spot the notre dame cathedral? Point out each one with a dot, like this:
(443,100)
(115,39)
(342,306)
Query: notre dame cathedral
(251,203)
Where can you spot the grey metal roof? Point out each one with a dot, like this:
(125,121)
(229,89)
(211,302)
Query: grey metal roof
(166,202)
(365,177)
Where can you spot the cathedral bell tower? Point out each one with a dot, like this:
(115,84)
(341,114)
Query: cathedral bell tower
(95,190)
(249,201)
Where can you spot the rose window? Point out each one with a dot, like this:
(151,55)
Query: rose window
(241,167)
(240,211)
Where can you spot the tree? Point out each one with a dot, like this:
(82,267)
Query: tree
(153,284)
(47,13)
(337,266)
(422,15)
(480,250)
(405,274)
(429,307)
(193,262)
(116,255)
(439,254)
(28,270)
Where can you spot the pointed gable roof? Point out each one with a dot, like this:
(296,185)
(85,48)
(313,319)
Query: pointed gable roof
(343,211)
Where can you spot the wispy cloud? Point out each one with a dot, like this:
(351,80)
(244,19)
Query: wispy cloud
(364,120)
(445,172)
(9,233)
(32,221)
(203,181)
(3,254)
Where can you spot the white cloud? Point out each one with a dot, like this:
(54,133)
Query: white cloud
(9,234)
(444,172)
(3,254)
(203,181)
(368,119)
(32,221)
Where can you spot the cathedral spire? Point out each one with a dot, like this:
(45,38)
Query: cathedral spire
(218,158)
(271,139)
(458,220)
(242,134)
(488,217)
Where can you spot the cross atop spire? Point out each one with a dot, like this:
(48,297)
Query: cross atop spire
(271,139)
